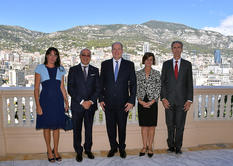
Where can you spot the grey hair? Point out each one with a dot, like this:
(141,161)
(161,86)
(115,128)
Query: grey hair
(118,43)
(84,50)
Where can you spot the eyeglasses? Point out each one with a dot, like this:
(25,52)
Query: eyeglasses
(86,55)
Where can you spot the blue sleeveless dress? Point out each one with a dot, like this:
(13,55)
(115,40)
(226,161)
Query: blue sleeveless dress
(52,103)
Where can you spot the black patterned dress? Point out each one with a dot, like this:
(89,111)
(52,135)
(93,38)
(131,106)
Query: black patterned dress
(147,90)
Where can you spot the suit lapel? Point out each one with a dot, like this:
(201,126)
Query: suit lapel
(80,73)
(180,69)
(172,72)
(111,72)
(90,69)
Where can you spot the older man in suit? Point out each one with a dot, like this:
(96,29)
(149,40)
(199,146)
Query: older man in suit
(117,96)
(84,88)
(176,95)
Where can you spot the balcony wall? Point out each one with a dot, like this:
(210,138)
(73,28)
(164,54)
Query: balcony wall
(208,121)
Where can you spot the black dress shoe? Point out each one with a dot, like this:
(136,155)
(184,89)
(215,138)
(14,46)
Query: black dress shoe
(112,152)
(178,151)
(89,154)
(123,154)
(171,150)
(79,158)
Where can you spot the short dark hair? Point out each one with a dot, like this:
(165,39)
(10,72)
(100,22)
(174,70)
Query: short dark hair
(179,42)
(148,55)
(58,61)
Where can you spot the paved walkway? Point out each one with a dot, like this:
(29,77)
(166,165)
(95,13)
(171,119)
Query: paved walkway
(221,157)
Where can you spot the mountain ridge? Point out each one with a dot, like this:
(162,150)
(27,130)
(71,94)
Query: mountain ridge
(158,33)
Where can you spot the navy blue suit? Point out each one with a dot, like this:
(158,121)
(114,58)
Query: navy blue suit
(80,89)
(116,95)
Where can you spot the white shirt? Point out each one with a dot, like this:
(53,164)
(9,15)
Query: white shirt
(178,63)
(114,64)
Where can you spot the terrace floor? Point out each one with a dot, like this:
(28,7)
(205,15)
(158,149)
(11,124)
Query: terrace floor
(211,155)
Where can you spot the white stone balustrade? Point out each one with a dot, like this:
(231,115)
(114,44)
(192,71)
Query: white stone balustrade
(213,103)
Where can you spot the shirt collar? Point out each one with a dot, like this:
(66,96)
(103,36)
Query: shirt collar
(119,60)
(84,65)
(174,61)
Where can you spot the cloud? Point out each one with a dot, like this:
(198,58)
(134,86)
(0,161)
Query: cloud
(226,27)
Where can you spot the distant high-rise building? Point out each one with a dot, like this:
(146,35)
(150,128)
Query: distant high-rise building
(146,47)
(20,78)
(16,78)
(217,57)
(12,77)
(126,56)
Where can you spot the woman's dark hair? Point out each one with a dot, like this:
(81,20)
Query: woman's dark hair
(58,61)
(148,55)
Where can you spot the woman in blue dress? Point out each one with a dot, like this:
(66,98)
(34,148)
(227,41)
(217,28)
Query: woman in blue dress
(50,101)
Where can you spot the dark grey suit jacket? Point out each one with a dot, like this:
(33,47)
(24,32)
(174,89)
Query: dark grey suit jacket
(180,90)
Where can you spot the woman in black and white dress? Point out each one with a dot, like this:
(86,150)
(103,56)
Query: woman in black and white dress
(148,90)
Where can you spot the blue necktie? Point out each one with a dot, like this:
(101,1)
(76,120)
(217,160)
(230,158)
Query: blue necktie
(116,70)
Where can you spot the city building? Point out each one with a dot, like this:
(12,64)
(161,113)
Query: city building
(217,57)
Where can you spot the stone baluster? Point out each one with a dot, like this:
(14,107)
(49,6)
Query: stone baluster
(103,117)
(215,106)
(20,111)
(97,117)
(221,107)
(11,111)
(203,103)
(196,107)
(228,106)
(6,111)
(34,112)
(134,114)
(209,106)
(27,111)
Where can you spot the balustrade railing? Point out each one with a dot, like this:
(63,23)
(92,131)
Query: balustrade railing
(214,103)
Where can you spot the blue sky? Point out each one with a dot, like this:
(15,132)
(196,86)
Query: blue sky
(55,15)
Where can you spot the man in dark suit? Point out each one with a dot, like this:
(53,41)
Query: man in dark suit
(84,88)
(117,96)
(176,95)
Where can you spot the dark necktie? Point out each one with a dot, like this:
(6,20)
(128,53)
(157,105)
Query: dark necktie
(176,70)
(85,72)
